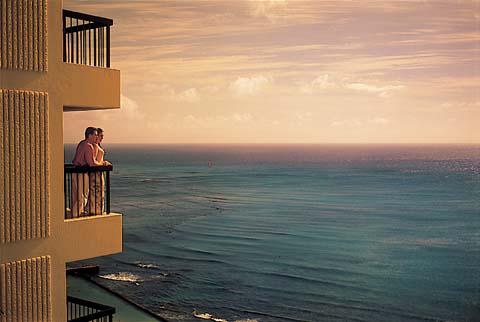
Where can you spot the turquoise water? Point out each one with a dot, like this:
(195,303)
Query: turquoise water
(298,233)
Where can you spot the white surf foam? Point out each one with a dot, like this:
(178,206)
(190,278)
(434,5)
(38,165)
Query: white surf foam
(122,276)
(152,266)
(207,316)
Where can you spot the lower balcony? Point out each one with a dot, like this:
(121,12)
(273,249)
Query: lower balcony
(82,285)
(79,310)
(87,213)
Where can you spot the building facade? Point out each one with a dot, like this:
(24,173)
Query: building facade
(51,62)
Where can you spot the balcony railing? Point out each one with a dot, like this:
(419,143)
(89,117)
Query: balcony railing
(79,310)
(86,39)
(87,191)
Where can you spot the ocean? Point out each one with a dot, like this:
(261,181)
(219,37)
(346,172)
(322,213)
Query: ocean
(379,233)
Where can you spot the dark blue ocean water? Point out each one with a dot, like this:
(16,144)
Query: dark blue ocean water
(298,233)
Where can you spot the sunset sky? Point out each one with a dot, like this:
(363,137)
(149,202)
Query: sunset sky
(278,71)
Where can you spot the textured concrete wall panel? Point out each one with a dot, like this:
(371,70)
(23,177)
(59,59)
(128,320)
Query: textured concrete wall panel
(23,35)
(24,166)
(25,290)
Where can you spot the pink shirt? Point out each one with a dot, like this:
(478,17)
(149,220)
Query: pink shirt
(84,154)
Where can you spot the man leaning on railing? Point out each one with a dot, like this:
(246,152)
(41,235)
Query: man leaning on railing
(87,189)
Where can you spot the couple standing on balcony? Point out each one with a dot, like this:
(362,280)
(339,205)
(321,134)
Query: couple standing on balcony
(88,193)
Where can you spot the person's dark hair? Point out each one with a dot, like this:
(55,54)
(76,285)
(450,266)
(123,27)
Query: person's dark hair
(89,131)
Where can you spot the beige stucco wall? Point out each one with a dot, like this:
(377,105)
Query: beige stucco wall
(67,87)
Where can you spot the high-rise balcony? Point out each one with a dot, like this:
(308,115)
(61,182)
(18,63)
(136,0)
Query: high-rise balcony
(87,79)
(86,39)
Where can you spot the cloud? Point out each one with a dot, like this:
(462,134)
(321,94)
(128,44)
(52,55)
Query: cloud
(218,121)
(322,82)
(303,116)
(167,91)
(190,95)
(270,9)
(325,82)
(464,106)
(249,86)
(128,109)
(242,118)
(210,89)
(382,91)
(379,121)
(346,123)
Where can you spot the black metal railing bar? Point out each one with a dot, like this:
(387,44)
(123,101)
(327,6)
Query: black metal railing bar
(86,39)
(79,310)
(86,190)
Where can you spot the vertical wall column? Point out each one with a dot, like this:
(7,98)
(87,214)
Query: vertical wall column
(23,34)
(24,166)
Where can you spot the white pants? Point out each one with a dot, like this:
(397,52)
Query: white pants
(80,187)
